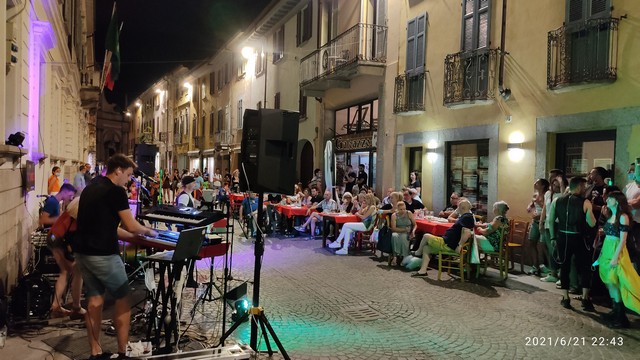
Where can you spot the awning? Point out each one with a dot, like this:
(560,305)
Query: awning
(208,152)
(193,153)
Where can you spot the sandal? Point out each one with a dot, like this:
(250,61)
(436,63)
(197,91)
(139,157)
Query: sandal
(59,312)
(78,313)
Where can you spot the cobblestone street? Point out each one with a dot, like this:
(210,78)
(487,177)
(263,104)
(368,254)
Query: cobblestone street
(335,307)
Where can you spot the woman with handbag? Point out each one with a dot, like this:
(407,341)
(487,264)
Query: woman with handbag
(366,215)
(403,227)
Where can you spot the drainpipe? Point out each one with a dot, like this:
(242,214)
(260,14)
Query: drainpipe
(504,92)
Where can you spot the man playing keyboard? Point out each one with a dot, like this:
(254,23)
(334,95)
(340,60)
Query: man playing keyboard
(103,207)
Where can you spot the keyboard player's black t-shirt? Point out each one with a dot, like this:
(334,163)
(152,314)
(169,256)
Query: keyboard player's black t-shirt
(98,218)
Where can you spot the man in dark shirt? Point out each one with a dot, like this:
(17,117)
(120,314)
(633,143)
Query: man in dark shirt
(410,202)
(87,174)
(362,177)
(571,213)
(453,239)
(51,209)
(103,206)
(316,197)
(350,179)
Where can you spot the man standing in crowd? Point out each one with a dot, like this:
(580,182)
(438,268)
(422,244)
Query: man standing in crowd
(87,174)
(79,181)
(362,177)
(103,206)
(51,209)
(571,213)
(349,179)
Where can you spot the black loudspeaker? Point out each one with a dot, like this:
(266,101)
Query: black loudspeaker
(268,152)
(145,157)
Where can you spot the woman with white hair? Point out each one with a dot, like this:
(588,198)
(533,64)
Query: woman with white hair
(489,238)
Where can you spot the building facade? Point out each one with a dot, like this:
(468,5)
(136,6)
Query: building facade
(48,91)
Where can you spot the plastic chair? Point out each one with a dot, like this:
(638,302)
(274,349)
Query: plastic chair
(497,258)
(518,233)
(450,260)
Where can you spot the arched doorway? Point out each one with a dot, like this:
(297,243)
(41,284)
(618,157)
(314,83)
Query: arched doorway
(306,162)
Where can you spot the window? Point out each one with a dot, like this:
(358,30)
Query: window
(242,68)
(276,101)
(278,45)
(475,24)
(260,62)
(416,59)
(226,73)
(304,24)
(211,122)
(468,169)
(212,83)
(357,118)
(302,105)
(588,45)
(220,120)
(240,114)
(220,84)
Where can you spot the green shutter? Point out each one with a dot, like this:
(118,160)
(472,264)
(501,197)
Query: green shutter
(411,46)
(420,44)
(599,9)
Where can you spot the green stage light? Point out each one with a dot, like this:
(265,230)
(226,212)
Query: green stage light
(241,307)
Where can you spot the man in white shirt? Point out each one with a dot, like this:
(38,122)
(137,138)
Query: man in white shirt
(78,180)
(326,205)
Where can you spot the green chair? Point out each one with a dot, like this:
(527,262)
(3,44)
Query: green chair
(451,260)
(497,258)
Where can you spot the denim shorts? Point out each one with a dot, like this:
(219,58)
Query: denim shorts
(104,272)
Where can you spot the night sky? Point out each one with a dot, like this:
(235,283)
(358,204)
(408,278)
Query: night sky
(160,35)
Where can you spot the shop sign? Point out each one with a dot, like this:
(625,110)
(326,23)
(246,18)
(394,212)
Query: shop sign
(355,142)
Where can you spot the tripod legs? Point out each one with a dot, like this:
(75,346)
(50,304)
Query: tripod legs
(258,315)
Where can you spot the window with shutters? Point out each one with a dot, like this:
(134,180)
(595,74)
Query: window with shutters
(212,83)
(211,122)
(220,78)
(226,73)
(304,28)
(584,49)
(302,105)
(409,88)
(470,74)
(278,44)
(240,114)
(260,62)
(220,120)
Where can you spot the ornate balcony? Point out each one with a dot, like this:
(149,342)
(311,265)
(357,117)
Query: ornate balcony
(222,138)
(361,50)
(469,77)
(409,94)
(583,55)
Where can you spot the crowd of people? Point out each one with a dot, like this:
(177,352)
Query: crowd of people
(576,225)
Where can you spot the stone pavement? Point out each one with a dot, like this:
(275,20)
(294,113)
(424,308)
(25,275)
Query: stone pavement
(324,306)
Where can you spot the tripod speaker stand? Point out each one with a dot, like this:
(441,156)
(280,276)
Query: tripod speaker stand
(256,311)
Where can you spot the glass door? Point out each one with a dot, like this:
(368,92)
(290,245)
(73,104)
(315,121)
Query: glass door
(468,169)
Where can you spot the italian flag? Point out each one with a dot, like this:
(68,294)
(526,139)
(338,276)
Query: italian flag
(111,68)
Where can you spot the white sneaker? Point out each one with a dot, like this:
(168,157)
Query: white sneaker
(343,251)
(544,269)
(335,245)
(549,278)
(300,228)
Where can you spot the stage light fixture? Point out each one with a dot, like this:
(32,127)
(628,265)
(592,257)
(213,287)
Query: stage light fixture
(240,308)
(15,139)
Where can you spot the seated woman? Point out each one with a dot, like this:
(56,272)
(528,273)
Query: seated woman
(347,205)
(305,197)
(366,215)
(403,227)
(489,238)
(453,239)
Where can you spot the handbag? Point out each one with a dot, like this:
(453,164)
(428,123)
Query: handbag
(61,229)
(384,239)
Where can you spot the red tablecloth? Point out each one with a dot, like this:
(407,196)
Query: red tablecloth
(432,227)
(342,218)
(236,197)
(291,211)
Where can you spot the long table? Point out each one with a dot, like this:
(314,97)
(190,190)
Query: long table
(432,227)
(337,219)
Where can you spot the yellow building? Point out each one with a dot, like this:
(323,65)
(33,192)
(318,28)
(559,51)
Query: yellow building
(565,96)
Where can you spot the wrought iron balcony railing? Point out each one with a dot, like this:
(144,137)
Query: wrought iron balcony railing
(362,42)
(223,137)
(583,54)
(470,76)
(409,94)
